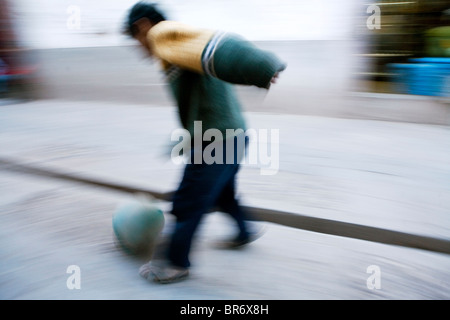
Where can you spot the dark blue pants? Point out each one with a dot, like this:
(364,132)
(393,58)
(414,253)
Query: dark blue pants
(203,187)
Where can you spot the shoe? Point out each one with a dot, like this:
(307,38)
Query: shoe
(239,242)
(163,272)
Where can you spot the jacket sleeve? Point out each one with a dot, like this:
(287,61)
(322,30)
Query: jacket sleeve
(179,44)
(239,61)
(226,56)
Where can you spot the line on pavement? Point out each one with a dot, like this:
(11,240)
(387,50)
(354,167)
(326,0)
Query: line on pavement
(294,220)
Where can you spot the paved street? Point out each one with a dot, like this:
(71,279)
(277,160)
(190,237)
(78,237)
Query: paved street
(387,175)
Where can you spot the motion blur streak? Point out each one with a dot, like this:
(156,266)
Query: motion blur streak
(361,112)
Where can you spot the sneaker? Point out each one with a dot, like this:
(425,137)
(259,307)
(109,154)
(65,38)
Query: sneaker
(239,242)
(163,272)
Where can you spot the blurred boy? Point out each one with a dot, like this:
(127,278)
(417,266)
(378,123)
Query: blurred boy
(201,67)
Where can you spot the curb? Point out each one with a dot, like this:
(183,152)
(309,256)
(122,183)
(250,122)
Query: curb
(290,219)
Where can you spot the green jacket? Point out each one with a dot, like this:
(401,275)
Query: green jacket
(202,66)
(201,97)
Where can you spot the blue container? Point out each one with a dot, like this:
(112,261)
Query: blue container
(424,76)
(440,74)
(401,73)
(412,78)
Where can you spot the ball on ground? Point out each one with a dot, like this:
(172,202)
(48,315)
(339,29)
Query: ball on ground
(137,225)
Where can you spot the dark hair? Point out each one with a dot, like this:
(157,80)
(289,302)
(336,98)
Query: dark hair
(142,10)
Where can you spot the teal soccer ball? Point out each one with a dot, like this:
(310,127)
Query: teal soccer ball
(137,225)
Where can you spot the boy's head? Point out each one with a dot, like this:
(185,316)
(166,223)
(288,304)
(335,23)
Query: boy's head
(141,18)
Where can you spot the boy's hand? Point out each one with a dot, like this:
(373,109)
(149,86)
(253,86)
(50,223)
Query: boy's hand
(274,78)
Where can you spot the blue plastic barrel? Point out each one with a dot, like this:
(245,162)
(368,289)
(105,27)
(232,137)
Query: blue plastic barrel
(423,76)
(440,74)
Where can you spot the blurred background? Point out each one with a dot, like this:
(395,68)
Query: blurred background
(74,48)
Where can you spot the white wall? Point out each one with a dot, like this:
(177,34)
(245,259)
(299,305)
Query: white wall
(43,23)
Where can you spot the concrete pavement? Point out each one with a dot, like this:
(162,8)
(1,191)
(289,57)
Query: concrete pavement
(48,226)
(380,174)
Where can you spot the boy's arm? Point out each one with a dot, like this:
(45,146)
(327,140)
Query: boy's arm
(179,44)
(225,56)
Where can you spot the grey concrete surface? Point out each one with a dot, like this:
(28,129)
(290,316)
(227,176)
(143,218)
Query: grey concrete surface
(382,174)
(357,171)
(48,226)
